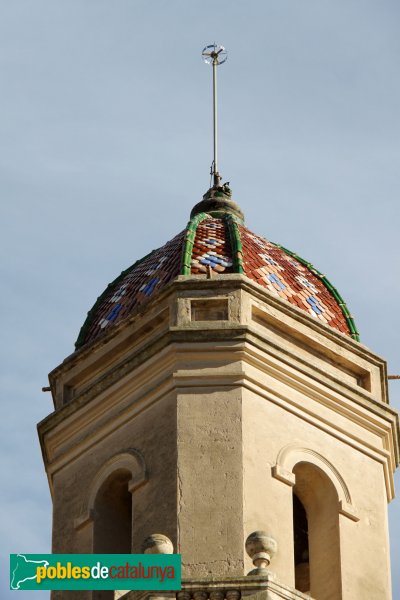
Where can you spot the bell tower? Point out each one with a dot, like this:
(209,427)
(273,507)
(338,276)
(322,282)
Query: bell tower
(219,404)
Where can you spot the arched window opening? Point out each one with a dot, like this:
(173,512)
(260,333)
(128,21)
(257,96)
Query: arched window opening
(301,551)
(315,511)
(113,520)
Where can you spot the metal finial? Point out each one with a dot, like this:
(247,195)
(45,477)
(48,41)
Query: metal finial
(215,55)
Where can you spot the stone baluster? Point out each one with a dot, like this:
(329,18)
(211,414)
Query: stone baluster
(217,595)
(183,595)
(157,543)
(261,547)
(233,595)
(200,595)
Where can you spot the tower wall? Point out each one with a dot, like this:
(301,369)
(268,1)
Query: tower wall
(269,430)
(210,479)
(152,432)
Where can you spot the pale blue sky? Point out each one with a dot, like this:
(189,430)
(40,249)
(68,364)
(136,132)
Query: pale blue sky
(105,129)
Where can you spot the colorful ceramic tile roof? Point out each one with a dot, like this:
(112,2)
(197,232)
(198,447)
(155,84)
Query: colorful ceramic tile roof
(219,243)
(132,288)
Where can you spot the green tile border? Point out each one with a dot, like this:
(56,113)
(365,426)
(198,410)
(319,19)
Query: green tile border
(343,306)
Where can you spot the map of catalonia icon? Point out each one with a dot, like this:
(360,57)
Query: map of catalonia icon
(23,570)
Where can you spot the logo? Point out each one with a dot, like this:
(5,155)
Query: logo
(95,572)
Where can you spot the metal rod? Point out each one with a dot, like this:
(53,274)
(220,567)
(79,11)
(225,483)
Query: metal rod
(216,174)
(215,55)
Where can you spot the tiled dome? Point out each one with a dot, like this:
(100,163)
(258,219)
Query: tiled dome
(215,239)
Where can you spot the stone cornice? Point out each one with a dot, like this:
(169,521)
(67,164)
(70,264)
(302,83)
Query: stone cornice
(220,283)
(110,407)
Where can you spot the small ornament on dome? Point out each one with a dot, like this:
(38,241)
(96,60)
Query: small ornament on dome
(226,189)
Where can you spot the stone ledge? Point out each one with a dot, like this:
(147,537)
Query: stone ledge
(256,587)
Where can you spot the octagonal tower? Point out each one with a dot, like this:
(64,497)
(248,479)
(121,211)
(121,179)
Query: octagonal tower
(218,389)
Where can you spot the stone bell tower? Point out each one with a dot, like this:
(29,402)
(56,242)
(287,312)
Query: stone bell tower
(219,403)
(218,390)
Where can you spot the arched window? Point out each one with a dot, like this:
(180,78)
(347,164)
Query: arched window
(113,520)
(316,533)
(113,515)
(106,514)
(301,549)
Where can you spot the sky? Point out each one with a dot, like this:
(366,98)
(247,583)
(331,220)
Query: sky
(106,144)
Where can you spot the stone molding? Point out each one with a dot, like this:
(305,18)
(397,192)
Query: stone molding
(132,461)
(223,283)
(149,385)
(292,454)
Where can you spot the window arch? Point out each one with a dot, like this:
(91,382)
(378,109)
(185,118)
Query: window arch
(131,461)
(107,508)
(315,511)
(112,531)
(320,498)
(113,515)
